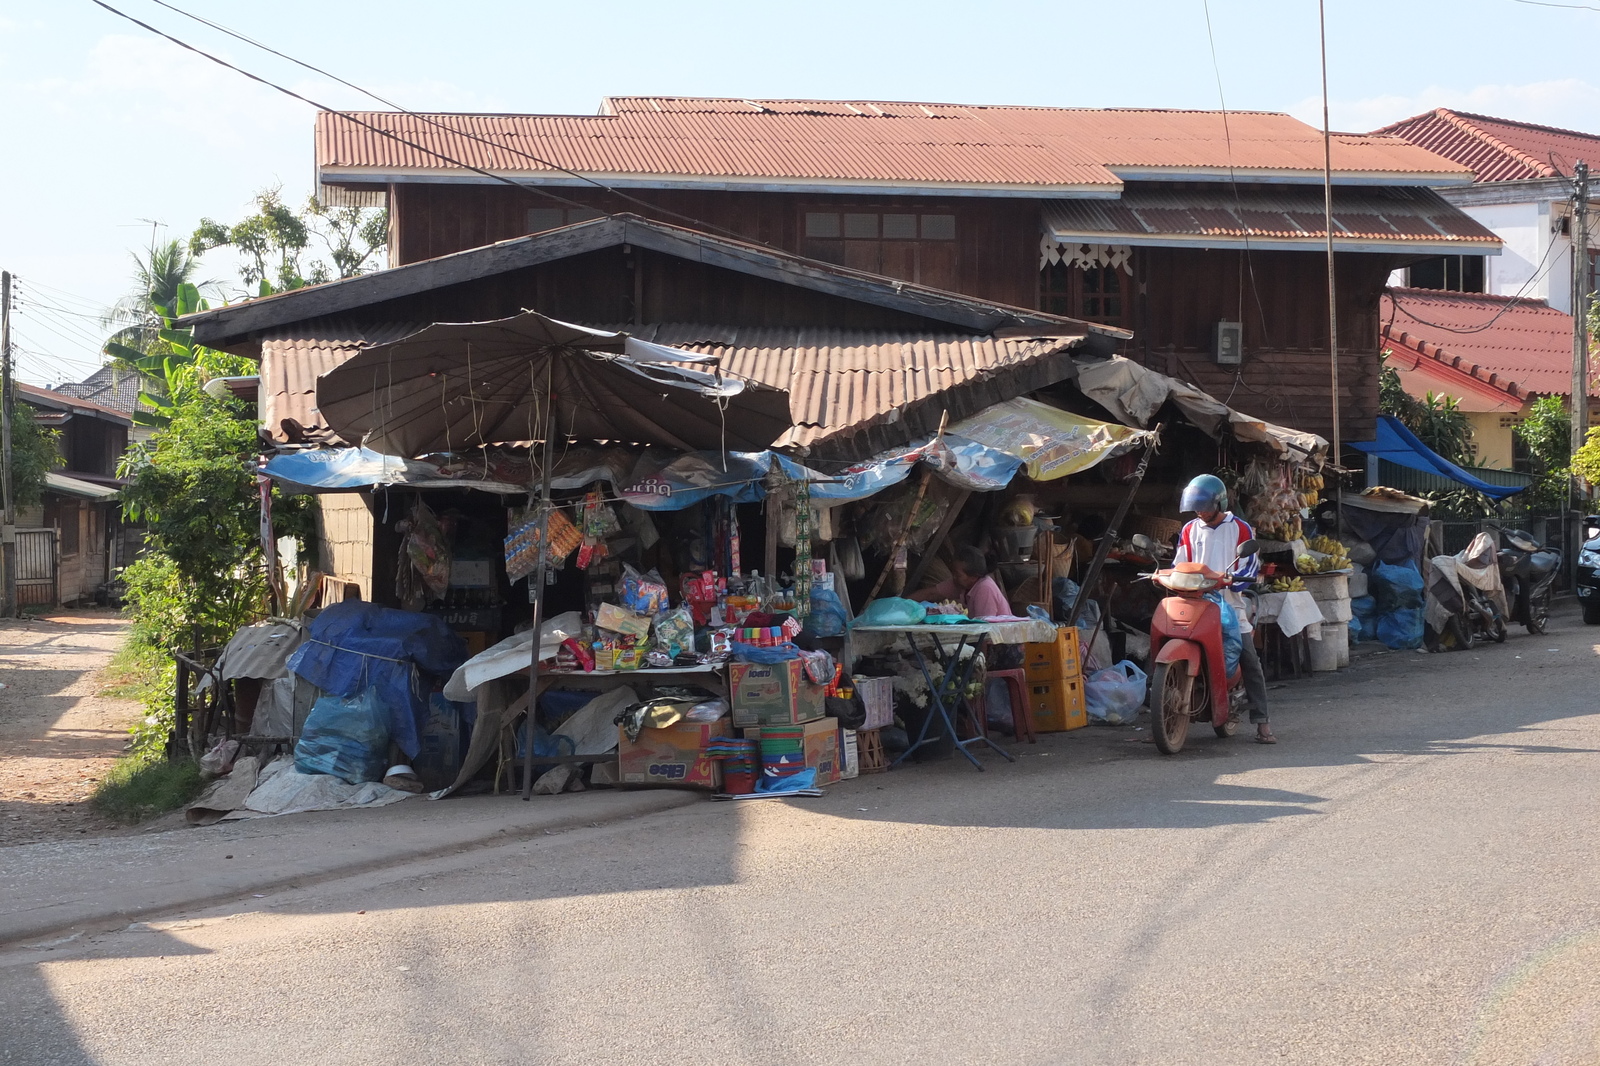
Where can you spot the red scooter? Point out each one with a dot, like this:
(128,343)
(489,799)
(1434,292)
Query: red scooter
(1189,680)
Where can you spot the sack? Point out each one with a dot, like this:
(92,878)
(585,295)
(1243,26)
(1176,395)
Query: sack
(1396,586)
(1401,629)
(827,617)
(346,738)
(892,611)
(1115,694)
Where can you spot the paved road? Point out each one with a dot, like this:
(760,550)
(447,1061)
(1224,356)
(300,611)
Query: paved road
(1408,878)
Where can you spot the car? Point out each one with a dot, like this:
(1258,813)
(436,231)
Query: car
(1588,583)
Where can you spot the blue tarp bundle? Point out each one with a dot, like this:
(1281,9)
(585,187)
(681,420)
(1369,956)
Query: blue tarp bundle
(1399,445)
(355,645)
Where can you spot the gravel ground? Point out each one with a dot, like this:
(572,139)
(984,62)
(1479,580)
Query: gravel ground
(58,735)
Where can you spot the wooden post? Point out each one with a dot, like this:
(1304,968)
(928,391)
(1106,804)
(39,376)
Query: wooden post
(915,580)
(1103,549)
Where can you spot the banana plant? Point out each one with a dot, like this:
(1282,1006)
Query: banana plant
(173,369)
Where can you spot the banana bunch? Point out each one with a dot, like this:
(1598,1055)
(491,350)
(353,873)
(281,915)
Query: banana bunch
(1338,555)
(1309,486)
(1286,584)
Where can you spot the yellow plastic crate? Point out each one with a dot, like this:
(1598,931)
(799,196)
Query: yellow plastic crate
(1055,660)
(1057,706)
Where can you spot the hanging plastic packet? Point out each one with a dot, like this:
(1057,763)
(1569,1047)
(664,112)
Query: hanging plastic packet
(643,593)
(674,631)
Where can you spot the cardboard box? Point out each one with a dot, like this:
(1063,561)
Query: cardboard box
(773,694)
(1057,706)
(1054,660)
(822,750)
(850,757)
(672,756)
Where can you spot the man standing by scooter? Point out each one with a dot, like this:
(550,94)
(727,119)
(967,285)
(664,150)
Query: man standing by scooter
(1212,539)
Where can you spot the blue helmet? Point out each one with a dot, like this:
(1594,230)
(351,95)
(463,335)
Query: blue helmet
(1204,493)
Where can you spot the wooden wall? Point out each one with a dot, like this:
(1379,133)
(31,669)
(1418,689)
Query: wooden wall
(1282,299)
(997,241)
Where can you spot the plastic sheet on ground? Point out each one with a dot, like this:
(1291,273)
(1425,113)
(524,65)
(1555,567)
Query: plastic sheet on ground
(510,656)
(280,789)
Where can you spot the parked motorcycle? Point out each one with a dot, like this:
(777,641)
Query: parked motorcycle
(1465,599)
(1189,679)
(1529,574)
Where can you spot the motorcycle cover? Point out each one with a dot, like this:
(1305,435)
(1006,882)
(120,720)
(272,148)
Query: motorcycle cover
(1476,565)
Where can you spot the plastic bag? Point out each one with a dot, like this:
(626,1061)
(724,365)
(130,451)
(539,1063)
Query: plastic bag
(347,738)
(643,593)
(1115,694)
(1232,639)
(675,631)
(827,617)
(1401,629)
(1364,618)
(892,611)
(750,653)
(1396,586)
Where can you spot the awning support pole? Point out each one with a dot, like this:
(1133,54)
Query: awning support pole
(1103,549)
(538,580)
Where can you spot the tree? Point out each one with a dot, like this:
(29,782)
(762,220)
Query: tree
(275,239)
(1547,434)
(172,368)
(157,278)
(1437,420)
(35,451)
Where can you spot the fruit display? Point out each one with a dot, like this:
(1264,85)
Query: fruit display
(1326,555)
(1310,486)
(1285,584)
(1272,499)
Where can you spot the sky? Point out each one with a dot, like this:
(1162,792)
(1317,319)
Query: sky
(109,134)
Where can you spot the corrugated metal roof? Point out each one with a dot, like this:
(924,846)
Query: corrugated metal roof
(844,385)
(1497,149)
(1267,215)
(1520,345)
(61,401)
(819,141)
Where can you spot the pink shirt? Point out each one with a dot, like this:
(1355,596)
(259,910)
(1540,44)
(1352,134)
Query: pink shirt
(983,599)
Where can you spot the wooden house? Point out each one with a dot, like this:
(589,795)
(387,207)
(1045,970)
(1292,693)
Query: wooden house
(69,544)
(1200,233)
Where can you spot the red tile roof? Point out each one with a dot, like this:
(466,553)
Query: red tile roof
(1268,216)
(1498,149)
(1520,347)
(863,145)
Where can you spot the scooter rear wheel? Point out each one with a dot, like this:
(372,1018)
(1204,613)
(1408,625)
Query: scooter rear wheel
(1172,705)
(1539,613)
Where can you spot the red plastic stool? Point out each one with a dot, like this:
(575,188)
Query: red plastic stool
(1021,718)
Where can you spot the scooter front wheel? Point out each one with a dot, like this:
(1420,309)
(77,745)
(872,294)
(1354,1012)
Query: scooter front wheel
(1171,705)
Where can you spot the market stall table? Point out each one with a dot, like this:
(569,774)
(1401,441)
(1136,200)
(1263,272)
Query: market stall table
(1287,620)
(949,660)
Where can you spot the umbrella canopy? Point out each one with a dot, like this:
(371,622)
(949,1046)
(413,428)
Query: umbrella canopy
(455,386)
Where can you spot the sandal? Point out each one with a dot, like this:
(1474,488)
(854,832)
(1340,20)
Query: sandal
(1266,738)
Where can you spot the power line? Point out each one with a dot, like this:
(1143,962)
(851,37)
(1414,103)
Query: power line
(348,116)
(1540,271)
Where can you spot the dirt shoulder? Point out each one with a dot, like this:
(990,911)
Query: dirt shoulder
(58,735)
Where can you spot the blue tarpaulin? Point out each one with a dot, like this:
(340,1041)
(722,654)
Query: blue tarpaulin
(1399,445)
(354,646)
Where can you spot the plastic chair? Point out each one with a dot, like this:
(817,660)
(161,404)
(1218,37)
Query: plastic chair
(1021,718)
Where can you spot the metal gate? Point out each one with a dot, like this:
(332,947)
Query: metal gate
(36,567)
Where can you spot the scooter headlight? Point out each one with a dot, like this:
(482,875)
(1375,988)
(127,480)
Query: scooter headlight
(1182,580)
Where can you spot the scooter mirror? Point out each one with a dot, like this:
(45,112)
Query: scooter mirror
(1145,544)
(1247,548)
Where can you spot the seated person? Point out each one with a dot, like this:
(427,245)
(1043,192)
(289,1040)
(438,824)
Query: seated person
(972,583)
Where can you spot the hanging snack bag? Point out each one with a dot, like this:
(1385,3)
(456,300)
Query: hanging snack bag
(643,593)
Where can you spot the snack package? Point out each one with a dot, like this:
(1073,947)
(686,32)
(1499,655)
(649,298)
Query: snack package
(700,594)
(643,593)
(614,618)
(675,632)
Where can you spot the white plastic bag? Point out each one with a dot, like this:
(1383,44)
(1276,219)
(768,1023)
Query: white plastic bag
(1115,694)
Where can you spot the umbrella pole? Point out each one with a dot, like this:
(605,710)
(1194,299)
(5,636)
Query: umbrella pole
(538,579)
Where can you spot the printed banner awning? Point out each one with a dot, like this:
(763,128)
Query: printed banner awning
(1052,443)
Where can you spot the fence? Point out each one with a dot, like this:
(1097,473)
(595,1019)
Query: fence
(36,568)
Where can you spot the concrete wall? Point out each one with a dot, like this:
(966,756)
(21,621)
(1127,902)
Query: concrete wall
(345,530)
(1492,436)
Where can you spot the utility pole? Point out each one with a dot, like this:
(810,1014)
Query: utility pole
(8,502)
(1580,307)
